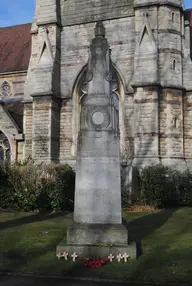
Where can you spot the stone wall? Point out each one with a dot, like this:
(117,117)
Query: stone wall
(28,125)
(170,46)
(45,133)
(146,127)
(41,130)
(188,128)
(75,41)
(19,151)
(127,130)
(140,3)
(82,11)
(66,131)
(147,42)
(171,127)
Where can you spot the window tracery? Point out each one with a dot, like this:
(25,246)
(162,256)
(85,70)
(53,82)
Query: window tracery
(4,148)
(6,89)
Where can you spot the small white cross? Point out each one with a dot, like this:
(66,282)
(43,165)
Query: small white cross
(111,257)
(59,255)
(119,257)
(65,255)
(74,256)
(126,256)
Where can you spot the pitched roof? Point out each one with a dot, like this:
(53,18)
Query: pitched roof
(15,109)
(15,48)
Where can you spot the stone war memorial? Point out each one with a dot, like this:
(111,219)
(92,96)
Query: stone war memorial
(97,227)
(106,87)
(46,76)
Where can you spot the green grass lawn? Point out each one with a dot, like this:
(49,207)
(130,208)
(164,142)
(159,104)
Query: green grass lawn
(164,243)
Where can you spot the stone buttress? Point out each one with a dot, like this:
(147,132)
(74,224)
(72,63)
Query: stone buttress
(158,83)
(42,89)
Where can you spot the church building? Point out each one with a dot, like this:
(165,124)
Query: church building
(43,77)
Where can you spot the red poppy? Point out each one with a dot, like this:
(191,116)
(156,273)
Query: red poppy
(94,263)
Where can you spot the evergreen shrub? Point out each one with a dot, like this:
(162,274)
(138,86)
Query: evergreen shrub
(31,186)
(162,187)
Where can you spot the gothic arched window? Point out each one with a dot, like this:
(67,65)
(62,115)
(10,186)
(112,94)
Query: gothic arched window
(6,89)
(4,148)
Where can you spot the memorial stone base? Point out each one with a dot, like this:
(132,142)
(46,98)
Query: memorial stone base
(97,241)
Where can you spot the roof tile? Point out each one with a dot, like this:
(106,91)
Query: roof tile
(15,48)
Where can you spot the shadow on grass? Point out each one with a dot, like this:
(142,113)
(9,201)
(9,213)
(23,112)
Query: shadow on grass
(19,255)
(140,228)
(30,219)
(15,260)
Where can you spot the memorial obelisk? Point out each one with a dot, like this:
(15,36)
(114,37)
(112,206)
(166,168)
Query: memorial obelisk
(97,229)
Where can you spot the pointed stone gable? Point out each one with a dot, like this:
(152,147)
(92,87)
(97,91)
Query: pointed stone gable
(44,64)
(46,54)
(146,56)
(146,43)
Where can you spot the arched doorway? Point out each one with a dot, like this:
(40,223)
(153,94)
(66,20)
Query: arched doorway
(118,94)
(4,148)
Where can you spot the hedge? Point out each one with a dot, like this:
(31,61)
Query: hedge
(43,187)
(31,186)
(162,187)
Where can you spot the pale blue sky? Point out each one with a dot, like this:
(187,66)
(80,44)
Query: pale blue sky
(14,12)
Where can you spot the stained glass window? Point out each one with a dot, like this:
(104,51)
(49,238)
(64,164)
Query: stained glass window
(1,153)
(6,89)
(4,148)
